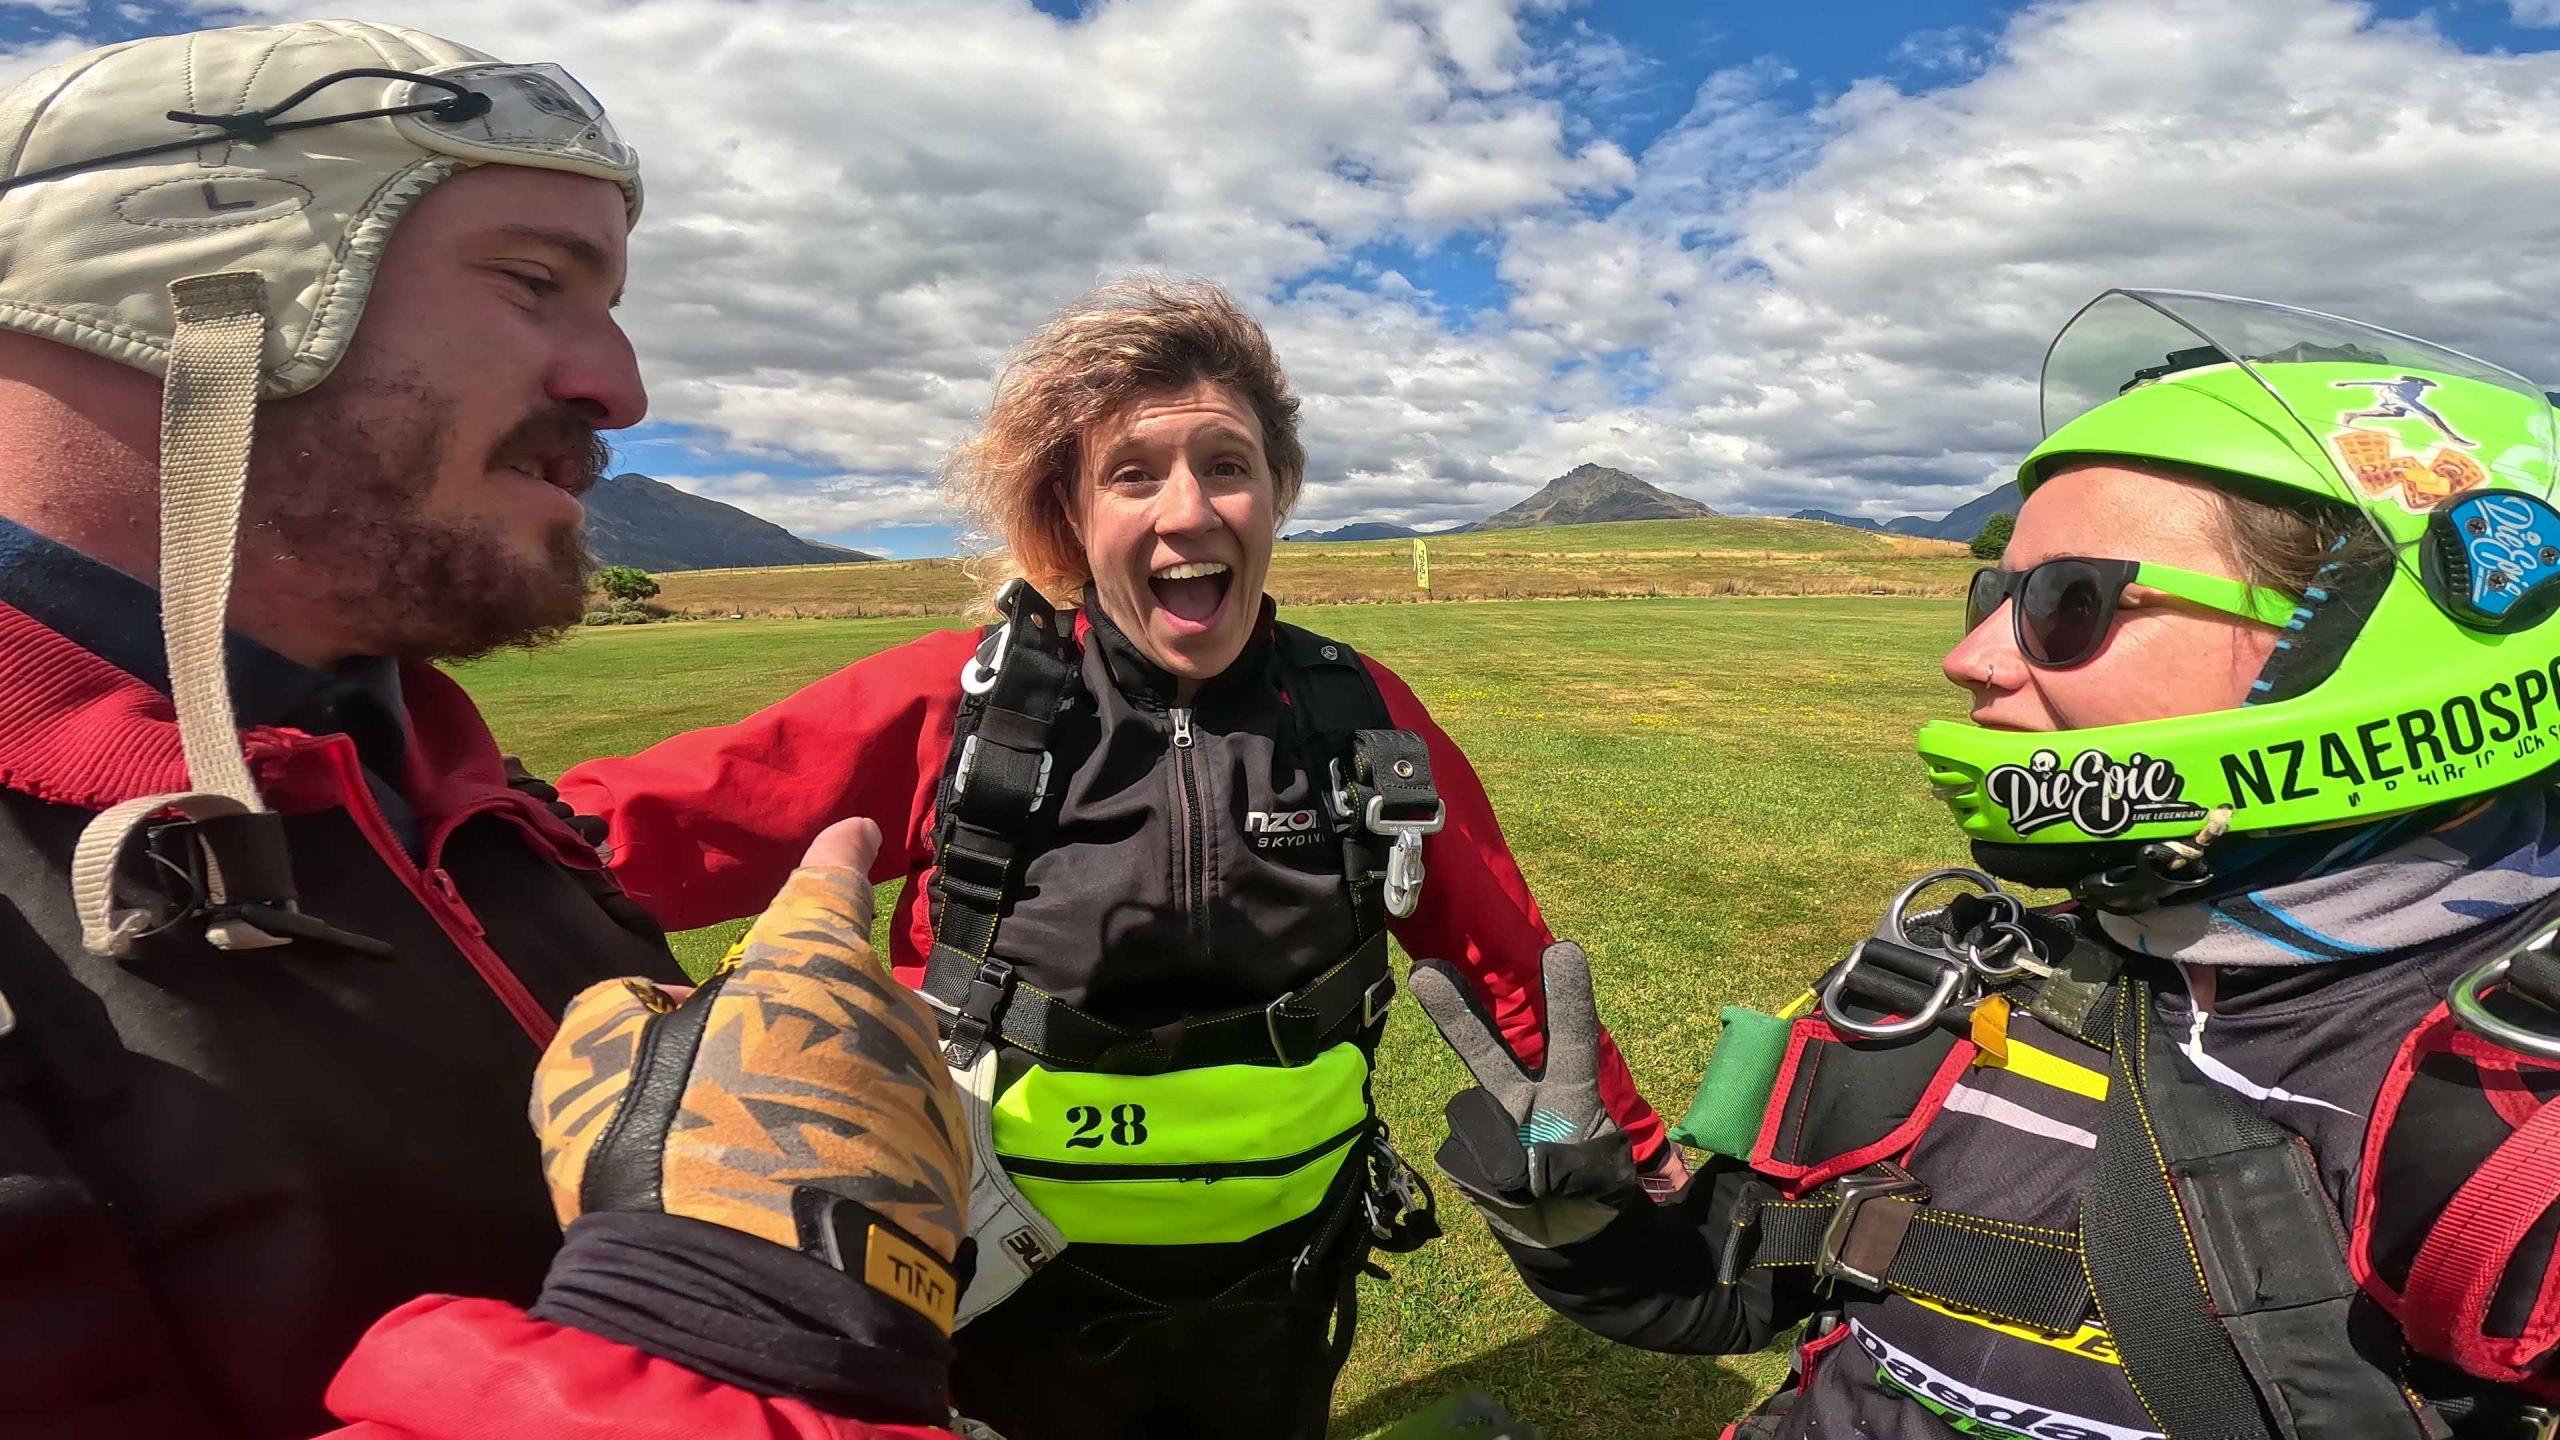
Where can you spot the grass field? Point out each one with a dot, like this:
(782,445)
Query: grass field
(1714,796)
(1740,556)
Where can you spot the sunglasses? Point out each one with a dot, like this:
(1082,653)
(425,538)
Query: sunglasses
(2064,609)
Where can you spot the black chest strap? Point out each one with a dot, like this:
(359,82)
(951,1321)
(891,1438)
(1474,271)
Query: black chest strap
(1379,799)
(2217,1262)
(993,799)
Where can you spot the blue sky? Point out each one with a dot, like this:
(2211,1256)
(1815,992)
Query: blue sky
(1770,256)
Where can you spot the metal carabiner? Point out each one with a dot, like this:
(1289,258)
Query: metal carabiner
(2474,1015)
(1960,968)
(1404,858)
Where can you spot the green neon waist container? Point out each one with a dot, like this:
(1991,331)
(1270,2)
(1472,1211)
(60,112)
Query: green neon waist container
(1192,1157)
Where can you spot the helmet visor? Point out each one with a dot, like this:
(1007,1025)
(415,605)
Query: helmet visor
(2402,424)
(537,115)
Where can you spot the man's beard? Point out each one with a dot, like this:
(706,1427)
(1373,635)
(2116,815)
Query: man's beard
(338,484)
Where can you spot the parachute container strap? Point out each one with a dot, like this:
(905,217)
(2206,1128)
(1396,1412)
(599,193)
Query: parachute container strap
(207,416)
(2464,1260)
(108,931)
(2218,1263)
(2024,1274)
(995,786)
(1332,698)
(2144,1268)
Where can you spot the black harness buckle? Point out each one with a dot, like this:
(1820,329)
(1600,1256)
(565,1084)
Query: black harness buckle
(1375,1000)
(1273,1017)
(976,1013)
(1863,1237)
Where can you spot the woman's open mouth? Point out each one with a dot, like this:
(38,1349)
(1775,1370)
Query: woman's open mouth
(1193,593)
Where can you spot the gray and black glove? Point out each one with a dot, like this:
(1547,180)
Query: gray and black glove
(1537,1154)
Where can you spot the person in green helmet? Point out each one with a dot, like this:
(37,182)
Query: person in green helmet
(2251,1136)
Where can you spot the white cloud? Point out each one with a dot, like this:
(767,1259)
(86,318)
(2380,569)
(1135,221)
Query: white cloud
(857,205)
(2535,12)
(855,209)
(832,504)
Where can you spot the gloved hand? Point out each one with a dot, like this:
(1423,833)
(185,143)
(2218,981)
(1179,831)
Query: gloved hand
(1537,1155)
(797,1097)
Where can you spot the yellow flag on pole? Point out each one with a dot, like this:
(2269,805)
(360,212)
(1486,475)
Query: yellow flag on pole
(1421,564)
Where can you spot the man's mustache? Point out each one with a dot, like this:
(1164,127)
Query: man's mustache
(558,432)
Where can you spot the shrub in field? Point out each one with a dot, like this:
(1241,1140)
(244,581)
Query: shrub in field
(625,612)
(627,583)
(1994,537)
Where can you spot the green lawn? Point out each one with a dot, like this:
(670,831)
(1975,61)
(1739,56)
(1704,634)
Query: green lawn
(1640,558)
(1714,796)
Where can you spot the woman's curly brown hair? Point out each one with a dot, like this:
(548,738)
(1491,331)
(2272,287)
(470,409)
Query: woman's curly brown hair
(1134,337)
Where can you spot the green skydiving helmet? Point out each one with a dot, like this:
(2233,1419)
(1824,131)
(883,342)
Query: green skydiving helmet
(2436,680)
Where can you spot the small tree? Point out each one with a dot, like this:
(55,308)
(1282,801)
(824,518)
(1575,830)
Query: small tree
(1994,537)
(626,583)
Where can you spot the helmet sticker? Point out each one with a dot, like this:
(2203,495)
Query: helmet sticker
(2509,719)
(2491,558)
(2097,793)
(2384,467)
(2399,400)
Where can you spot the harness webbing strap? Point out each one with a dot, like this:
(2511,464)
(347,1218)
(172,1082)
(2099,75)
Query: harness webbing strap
(1292,1030)
(1332,702)
(2143,1266)
(2468,1250)
(2025,1274)
(2217,1262)
(992,793)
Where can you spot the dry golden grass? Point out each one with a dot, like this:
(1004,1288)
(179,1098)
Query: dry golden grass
(1638,558)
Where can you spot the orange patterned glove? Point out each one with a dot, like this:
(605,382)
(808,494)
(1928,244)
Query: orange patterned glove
(798,1095)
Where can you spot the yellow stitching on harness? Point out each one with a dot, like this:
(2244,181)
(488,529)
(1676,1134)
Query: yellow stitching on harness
(2134,1064)
(1970,1222)
(2045,1068)
(2089,1342)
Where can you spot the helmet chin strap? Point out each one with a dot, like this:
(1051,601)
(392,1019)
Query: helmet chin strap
(208,410)
(2121,875)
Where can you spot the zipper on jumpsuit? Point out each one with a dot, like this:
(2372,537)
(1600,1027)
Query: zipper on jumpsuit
(433,886)
(1187,785)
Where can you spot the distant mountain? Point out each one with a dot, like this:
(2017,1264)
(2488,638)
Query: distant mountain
(1588,494)
(1358,530)
(1962,523)
(1965,521)
(1854,522)
(634,520)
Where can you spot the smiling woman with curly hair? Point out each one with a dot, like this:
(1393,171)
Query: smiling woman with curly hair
(1155,847)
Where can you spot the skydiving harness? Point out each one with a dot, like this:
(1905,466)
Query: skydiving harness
(2207,1246)
(1069,1112)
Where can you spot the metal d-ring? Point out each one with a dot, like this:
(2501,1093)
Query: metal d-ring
(1927,1015)
(2475,1016)
(1893,915)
